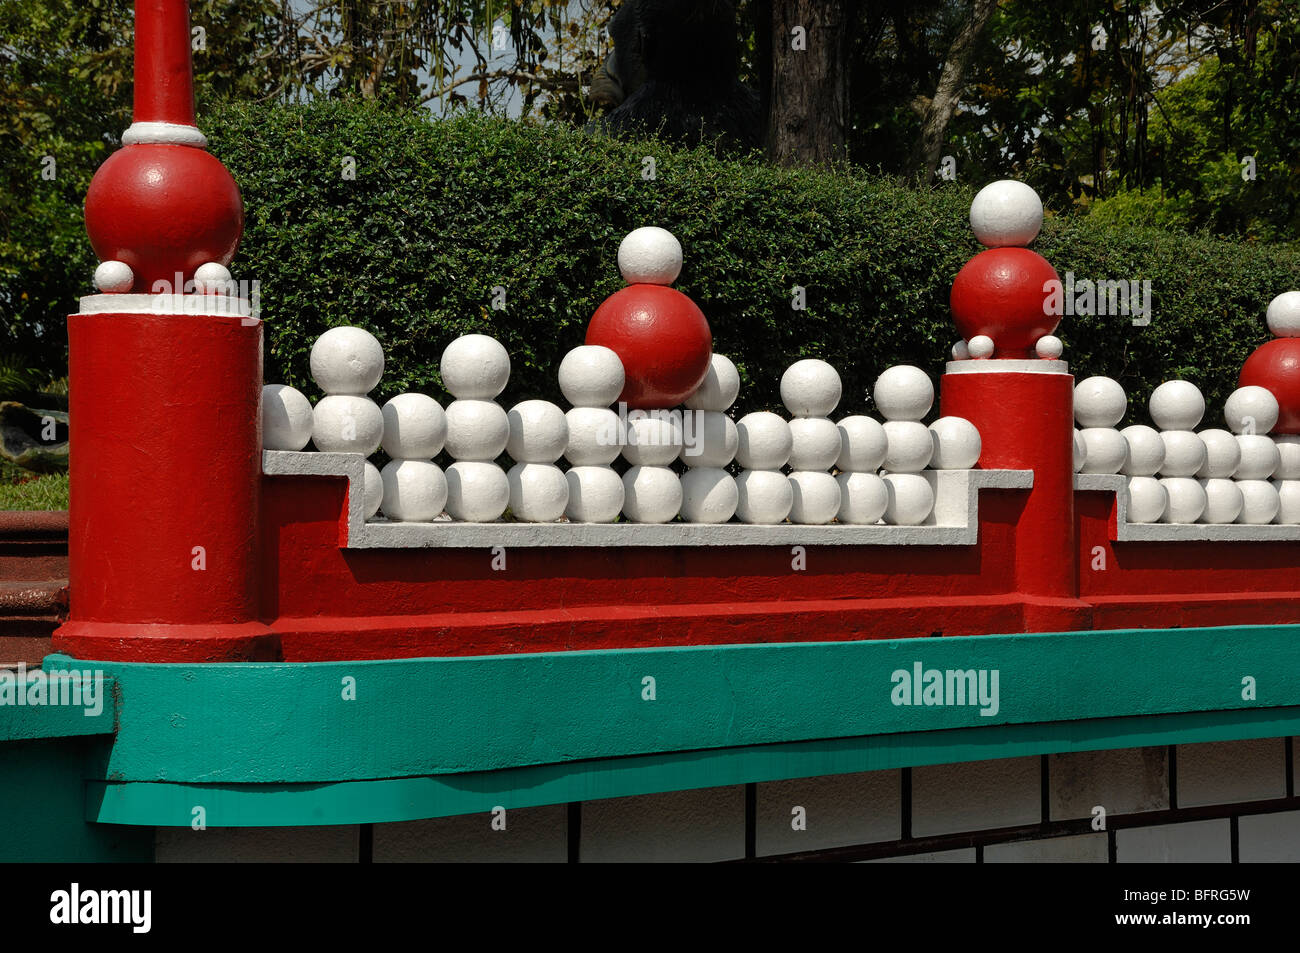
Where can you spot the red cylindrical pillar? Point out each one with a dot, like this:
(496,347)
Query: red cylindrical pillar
(164,84)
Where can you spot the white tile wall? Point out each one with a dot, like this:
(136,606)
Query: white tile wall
(964,856)
(950,798)
(683,826)
(1191,842)
(334,844)
(1223,772)
(531,835)
(1123,782)
(841,810)
(1269,838)
(1075,849)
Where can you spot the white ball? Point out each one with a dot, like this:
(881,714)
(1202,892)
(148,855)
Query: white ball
(1006,213)
(911,445)
(591,376)
(372,488)
(1222,454)
(1288,450)
(956,442)
(212,278)
(863,498)
(539,432)
(1259,457)
(1283,315)
(709,439)
(286,418)
(476,430)
(763,496)
(477,492)
(1049,347)
(1146,451)
(1176,405)
(863,444)
(595,495)
(415,491)
(1099,402)
(651,494)
(1080,452)
(815,443)
(810,388)
(1260,502)
(347,360)
(816,497)
(980,347)
(903,392)
(1185,453)
(475,367)
(1146,499)
(911,499)
(763,442)
(346,424)
(650,255)
(596,436)
(1251,409)
(1107,450)
(1186,500)
(539,492)
(1223,500)
(114,277)
(709,495)
(415,427)
(961,351)
(653,439)
(720,387)
(1288,492)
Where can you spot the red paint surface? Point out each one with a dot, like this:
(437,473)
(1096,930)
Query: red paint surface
(164,89)
(1275,366)
(1000,293)
(662,338)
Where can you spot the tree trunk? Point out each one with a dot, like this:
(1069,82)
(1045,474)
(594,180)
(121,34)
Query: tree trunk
(808,97)
(952,79)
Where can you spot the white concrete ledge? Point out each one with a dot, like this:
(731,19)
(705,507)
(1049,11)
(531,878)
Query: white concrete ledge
(954,522)
(179,305)
(1000,365)
(1177,532)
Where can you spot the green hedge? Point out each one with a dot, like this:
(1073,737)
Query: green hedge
(441,212)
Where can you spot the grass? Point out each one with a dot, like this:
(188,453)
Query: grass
(49,492)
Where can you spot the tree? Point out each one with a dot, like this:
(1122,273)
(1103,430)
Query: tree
(807,106)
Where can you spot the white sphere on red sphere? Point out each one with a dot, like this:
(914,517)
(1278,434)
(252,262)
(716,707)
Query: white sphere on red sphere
(1006,213)
(650,255)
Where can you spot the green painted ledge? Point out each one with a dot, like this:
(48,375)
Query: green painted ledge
(43,721)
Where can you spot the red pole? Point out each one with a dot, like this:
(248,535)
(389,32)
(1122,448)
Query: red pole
(164,84)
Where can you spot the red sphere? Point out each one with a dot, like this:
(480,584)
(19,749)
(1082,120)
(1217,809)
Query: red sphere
(1003,293)
(1275,366)
(163,209)
(662,338)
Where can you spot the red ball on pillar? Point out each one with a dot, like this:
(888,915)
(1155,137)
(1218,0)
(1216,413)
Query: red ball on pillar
(662,338)
(1275,366)
(1004,293)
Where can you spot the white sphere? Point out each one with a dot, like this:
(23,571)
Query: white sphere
(476,430)
(1006,213)
(1223,500)
(539,492)
(911,446)
(347,360)
(653,439)
(709,439)
(980,347)
(911,498)
(1260,502)
(709,495)
(903,392)
(863,498)
(1176,405)
(372,488)
(1186,500)
(212,278)
(114,277)
(591,376)
(1107,450)
(1259,457)
(1080,454)
(763,496)
(286,418)
(415,491)
(539,432)
(1251,409)
(475,367)
(346,424)
(651,494)
(720,387)
(815,443)
(1288,492)
(1185,453)
(595,495)
(810,388)
(1049,347)
(1222,454)
(1147,499)
(1146,451)
(763,442)
(1283,315)
(816,497)
(477,491)
(650,255)
(1288,449)
(863,444)
(1099,402)
(415,427)
(961,351)
(596,436)
(956,442)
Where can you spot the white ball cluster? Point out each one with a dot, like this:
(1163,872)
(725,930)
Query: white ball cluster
(591,378)
(475,370)
(710,441)
(810,390)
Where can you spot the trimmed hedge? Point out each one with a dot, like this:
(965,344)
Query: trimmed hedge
(442,212)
